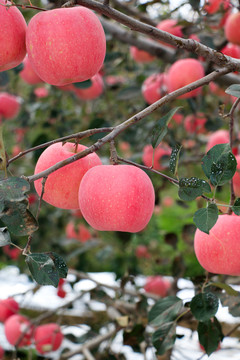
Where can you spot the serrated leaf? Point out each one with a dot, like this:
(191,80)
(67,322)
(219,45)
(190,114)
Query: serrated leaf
(165,310)
(83,84)
(160,129)
(174,158)
(233,90)
(236,206)
(204,306)
(46,268)
(191,188)
(164,337)
(206,218)
(219,164)
(229,290)
(210,335)
(5,238)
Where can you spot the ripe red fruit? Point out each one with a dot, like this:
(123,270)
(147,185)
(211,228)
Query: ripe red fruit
(140,56)
(82,233)
(9,105)
(218,137)
(170,26)
(232,28)
(157,285)
(61,187)
(28,74)
(93,91)
(212,6)
(8,307)
(12,36)
(184,72)
(154,87)
(219,251)
(161,154)
(123,199)
(231,50)
(12,252)
(142,252)
(48,338)
(18,327)
(195,124)
(66,45)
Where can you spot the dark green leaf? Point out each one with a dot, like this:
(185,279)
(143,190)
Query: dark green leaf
(46,268)
(233,90)
(5,238)
(164,337)
(190,188)
(83,84)
(219,164)
(165,310)
(173,163)
(129,93)
(195,4)
(13,189)
(111,56)
(236,207)
(207,40)
(4,78)
(206,218)
(210,335)
(229,290)
(18,68)
(160,129)
(204,306)
(232,302)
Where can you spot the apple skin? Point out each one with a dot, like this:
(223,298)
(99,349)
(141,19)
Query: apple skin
(154,87)
(195,124)
(231,50)
(9,105)
(28,74)
(48,338)
(157,285)
(14,327)
(232,28)
(182,73)
(61,187)
(8,307)
(66,45)
(41,92)
(160,151)
(140,56)
(123,199)
(218,137)
(219,251)
(212,6)
(170,26)
(12,36)
(83,234)
(93,91)
(142,252)
(236,178)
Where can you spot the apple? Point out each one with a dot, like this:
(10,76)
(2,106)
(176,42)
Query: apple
(48,338)
(66,45)
(93,91)
(161,152)
(219,251)
(212,6)
(13,252)
(231,50)
(195,123)
(218,137)
(154,87)
(167,201)
(116,198)
(236,178)
(8,307)
(232,28)
(61,187)
(170,26)
(12,36)
(41,92)
(9,105)
(182,73)
(113,80)
(60,291)
(28,74)
(140,56)
(82,233)
(157,285)
(142,252)
(18,327)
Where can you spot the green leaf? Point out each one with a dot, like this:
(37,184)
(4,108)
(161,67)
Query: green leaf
(160,129)
(5,238)
(13,189)
(129,93)
(4,78)
(236,206)
(164,337)
(165,310)
(190,188)
(134,337)
(195,4)
(232,302)
(233,90)
(210,335)
(206,218)
(83,84)
(204,306)
(229,290)
(219,164)
(174,158)
(46,268)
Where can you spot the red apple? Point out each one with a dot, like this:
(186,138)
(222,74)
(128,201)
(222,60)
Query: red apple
(231,50)
(154,87)
(93,91)
(232,28)
(140,56)
(60,291)
(219,251)
(218,137)
(212,6)
(82,233)
(170,26)
(161,152)
(183,72)
(9,105)
(41,92)
(113,80)
(157,285)
(12,36)
(13,252)
(66,45)
(48,338)
(61,187)
(123,199)
(142,252)
(195,123)
(8,307)
(28,74)
(18,330)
